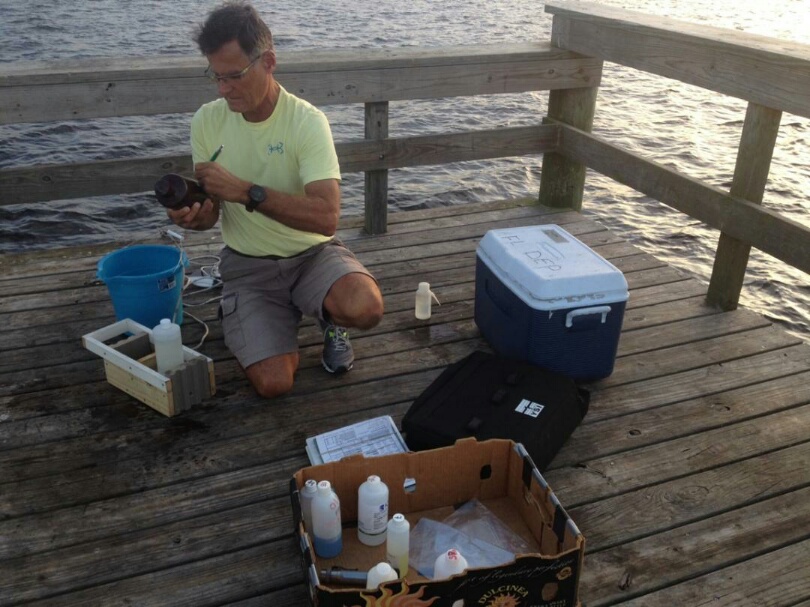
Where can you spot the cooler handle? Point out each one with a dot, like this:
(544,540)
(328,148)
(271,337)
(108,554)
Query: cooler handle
(569,318)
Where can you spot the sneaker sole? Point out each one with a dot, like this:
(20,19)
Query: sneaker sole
(339,370)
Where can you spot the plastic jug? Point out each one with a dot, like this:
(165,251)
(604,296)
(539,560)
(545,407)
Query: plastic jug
(326,522)
(424,298)
(306,495)
(372,511)
(168,346)
(397,543)
(448,564)
(380,573)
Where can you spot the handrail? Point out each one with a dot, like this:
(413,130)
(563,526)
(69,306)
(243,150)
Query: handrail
(122,176)
(96,88)
(768,71)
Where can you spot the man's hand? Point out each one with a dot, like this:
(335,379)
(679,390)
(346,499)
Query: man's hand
(196,217)
(220,183)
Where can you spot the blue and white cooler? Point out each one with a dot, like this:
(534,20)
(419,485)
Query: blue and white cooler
(543,296)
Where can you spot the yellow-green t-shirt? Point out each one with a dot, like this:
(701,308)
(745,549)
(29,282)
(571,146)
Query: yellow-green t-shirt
(291,148)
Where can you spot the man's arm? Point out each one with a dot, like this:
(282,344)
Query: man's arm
(316,211)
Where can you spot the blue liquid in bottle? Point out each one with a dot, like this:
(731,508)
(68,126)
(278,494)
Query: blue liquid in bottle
(328,549)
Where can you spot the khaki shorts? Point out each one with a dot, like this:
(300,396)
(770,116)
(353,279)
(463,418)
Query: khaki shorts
(263,299)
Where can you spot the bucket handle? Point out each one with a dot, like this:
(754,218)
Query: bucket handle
(569,318)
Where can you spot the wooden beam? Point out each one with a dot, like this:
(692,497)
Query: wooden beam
(764,229)
(562,180)
(768,71)
(93,88)
(65,181)
(759,134)
(376,182)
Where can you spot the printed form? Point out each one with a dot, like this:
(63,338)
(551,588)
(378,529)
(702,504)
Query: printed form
(373,437)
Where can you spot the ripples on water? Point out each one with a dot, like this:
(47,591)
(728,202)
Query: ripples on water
(681,126)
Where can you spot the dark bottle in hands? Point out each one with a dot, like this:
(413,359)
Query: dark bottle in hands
(175,191)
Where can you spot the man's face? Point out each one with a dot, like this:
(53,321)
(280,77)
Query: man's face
(242,81)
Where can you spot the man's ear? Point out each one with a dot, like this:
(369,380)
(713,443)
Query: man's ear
(269,61)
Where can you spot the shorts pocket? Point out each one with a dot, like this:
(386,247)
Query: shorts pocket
(231,324)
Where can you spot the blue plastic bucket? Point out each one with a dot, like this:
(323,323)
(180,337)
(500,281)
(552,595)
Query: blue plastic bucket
(145,282)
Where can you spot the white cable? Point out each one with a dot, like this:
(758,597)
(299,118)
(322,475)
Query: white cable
(205,334)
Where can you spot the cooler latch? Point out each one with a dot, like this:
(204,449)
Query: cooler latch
(569,318)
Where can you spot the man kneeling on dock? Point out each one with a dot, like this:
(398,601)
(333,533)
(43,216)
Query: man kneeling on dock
(267,160)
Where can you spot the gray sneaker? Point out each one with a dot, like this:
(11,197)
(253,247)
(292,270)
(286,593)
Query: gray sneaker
(338,356)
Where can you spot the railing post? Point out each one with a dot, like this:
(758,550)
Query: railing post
(750,177)
(562,181)
(376,182)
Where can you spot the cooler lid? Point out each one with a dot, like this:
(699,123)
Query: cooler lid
(550,269)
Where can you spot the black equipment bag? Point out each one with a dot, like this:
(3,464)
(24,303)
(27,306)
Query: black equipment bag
(488,396)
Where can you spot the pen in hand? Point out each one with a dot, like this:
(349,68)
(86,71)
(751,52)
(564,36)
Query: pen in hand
(216,154)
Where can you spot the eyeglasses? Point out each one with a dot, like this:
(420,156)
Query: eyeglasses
(227,78)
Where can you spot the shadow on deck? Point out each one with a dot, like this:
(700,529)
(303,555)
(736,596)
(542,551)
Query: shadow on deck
(690,477)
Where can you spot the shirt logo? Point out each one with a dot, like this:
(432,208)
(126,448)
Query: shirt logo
(529,408)
(279,147)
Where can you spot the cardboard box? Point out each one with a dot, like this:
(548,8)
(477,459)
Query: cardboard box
(544,297)
(129,364)
(497,472)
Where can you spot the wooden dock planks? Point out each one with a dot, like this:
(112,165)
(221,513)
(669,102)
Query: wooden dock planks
(691,469)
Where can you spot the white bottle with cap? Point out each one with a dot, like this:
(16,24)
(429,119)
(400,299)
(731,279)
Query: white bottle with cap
(397,543)
(448,564)
(379,574)
(424,299)
(372,511)
(168,346)
(306,495)
(326,522)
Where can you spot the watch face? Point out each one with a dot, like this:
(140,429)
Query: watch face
(256,194)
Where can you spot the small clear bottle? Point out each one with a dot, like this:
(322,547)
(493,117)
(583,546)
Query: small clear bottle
(168,346)
(424,299)
(326,524)
(306,495)
(372,511)
(397,543)
(379,574)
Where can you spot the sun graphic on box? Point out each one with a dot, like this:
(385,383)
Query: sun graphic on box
(403,598)
(504,600)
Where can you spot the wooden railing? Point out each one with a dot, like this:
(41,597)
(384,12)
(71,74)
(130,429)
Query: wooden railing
(103,87)
(773,75)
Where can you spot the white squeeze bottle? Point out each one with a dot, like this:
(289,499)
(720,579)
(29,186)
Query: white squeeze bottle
(168,346)
(424,298)
(397,543)
(448,564)
(381,572)
(307,494)
(372,511)
(326,522)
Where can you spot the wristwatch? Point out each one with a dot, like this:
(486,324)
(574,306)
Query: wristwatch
(257,195)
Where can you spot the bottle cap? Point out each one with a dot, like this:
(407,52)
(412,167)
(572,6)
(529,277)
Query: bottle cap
(324,487)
